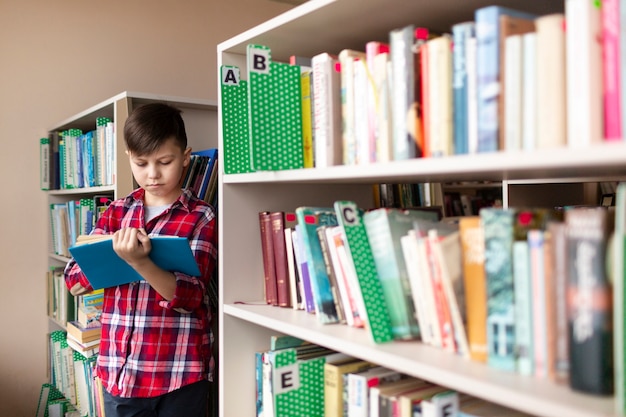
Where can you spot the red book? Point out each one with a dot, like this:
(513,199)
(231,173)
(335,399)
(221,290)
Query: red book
(611,70)
(267,250)
(277,221)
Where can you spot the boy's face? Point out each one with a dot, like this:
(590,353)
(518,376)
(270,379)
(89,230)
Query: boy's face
(159,173)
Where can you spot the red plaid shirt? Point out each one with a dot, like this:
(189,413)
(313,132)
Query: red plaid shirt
(151,346)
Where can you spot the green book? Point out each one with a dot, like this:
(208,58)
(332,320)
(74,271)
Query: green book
(235,129)
(384,228)
(275,112)
(350,218)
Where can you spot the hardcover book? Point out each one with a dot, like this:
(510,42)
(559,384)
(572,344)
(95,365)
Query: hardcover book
(461,32)
(590,301)
(269,260)
(103,268)
(274,89)
(327,110)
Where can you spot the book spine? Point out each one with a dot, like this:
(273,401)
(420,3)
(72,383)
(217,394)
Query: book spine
(269,266)
(277,222)
(529,94)
(472,96)
(461,32)
(332,275)
(347,58)
(45,151)
(440,96)
(536,244)
(523,308)
(611,70)
(305,278)
(513,98)
(589,301)
(327,110)
(401,56)
(551,102)
(498,233)
(350,219)
(308,134)
(583,73)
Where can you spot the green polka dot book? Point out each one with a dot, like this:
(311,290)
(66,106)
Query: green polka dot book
(275,112)
(298,380)
(350,218)
(235,130)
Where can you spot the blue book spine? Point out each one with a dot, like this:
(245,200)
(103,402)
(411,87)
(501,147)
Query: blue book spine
(488,72)
(310,218)
(498,235)
(460,33)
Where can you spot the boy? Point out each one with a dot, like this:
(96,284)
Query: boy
(155,350)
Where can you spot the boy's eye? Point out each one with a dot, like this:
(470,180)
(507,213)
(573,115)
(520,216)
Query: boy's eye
(166,162)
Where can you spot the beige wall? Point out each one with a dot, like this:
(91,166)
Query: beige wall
(56,59)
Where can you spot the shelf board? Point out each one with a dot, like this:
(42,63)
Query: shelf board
(528,394)
(605,160)
(299,30)
(84,190)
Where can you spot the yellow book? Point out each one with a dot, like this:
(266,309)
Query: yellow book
(307,120)
(334,387)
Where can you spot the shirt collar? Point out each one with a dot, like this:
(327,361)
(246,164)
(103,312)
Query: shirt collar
(137,197)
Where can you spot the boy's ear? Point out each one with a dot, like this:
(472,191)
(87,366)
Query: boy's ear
(186,156)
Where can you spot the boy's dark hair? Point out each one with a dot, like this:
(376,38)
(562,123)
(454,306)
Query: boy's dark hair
(151,125)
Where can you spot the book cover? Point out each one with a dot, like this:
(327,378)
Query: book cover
(536,250)
(347,60)
(308,117)
(274,88)
(461,32)
(81,333)
(384,228)
(385,396)
(334,386)
(302,263)
(583,66)
(402,90)
(327,110)
(382,88)
(309,219)
(360,383)
(269,260)
(498,234)
(488,68)
(472,96)
(529,93)
(512,126)
(350,218)
(557,262)
(551,102)
(234,115)
(589,301)
(372,50)
(298,383)
(103,268)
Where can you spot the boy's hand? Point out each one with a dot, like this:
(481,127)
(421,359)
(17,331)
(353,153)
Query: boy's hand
(132,245)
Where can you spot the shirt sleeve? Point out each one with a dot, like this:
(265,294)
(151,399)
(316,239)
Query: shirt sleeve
(191,291)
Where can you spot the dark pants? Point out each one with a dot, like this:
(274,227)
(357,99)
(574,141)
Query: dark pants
(188,401)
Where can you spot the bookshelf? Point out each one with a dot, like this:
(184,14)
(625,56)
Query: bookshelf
(200,118)
(246,324)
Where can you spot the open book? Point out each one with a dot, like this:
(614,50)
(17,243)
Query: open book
(103,268)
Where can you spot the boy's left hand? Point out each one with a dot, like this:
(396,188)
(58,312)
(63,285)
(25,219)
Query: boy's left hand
(132,245)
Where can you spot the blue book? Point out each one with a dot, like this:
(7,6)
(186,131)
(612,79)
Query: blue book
(460,33)
(103,268)
(488,72)
(309,219)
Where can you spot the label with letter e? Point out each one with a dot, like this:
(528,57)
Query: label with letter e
(286,378)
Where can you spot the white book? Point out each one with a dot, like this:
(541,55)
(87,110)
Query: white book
(414,271)
(537,275)
(439,101)
(327,110)
(513,93)
(523,308)
(361,116)
(551,102)
(583,73)
(382,79)
(343,288)
(529,91)
(472,103)
(347,60)
(291,268)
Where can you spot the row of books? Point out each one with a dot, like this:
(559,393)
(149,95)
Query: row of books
(72,374)
(52,403)
(76,159)
(74,218)
(502,81)
(297,378)
(201,175)
(490,288)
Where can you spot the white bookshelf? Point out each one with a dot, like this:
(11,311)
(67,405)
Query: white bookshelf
(330,26)
(200,118)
